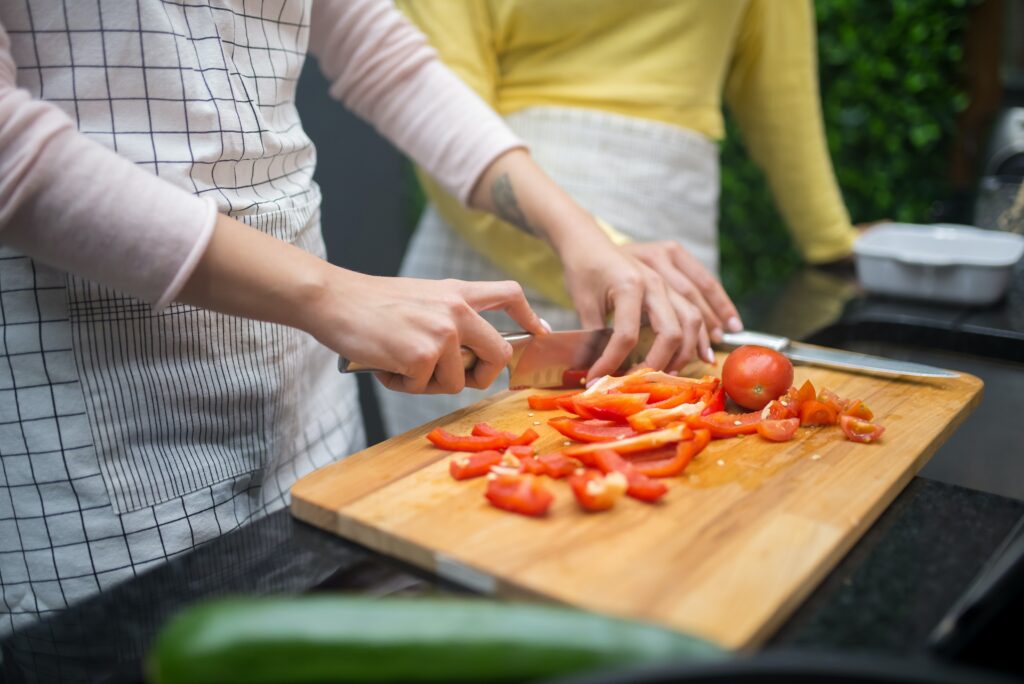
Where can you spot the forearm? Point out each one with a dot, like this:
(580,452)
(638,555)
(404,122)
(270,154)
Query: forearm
(518,191)
(245,272)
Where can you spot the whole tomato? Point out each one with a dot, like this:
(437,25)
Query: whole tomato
(753,376)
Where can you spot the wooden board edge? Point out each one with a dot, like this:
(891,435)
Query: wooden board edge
(821,570)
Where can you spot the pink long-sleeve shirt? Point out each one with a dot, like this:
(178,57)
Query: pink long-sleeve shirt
(72,202)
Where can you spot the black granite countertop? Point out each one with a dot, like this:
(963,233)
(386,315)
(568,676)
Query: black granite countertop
(885,596)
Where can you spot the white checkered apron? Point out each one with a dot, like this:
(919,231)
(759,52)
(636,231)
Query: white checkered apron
(127,436)
(650,180)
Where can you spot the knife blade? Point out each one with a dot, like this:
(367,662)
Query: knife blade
(834,358)
(541,360)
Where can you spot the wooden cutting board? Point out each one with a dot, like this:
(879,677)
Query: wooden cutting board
(743,536)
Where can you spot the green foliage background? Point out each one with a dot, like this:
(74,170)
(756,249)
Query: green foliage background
(890,86)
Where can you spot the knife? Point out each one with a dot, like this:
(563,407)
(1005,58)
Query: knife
(834,358)
(541,361)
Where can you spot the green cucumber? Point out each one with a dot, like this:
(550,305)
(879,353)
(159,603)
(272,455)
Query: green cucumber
(325,638)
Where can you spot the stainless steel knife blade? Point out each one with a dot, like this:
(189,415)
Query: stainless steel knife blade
(541,361)
(835,358)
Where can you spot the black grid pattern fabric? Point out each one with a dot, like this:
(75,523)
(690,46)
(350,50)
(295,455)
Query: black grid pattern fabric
(128,436)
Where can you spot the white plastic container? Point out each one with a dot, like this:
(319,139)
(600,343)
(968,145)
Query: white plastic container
(943,263)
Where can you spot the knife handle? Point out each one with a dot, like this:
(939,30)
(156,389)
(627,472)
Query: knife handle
(739,339)
(468,357)
(346,366)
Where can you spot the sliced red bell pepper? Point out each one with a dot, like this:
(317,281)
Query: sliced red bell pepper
(521,450)
(642,442)
(591,430)
(724,425)
(539,402)
(473,465)
(857,430)
(640,487)
(656,392)
(715,403)
(596,492)
(613,406)
(654,418)
(528,436)
(523,494)
(685,452)
(814,412)
(778,430)
(686,395)
(443,439)
(557,465)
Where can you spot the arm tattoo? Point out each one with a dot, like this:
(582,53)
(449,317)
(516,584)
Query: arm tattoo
(507,206)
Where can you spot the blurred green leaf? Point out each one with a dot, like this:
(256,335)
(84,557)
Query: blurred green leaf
(890,85)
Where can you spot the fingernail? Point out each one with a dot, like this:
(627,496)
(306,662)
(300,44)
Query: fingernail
(545,325)
(734,324)
(709,355)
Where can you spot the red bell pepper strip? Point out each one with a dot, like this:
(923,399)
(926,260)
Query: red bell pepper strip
(685,452)
(487,430)
(521,450)
(523,494)
(723,425)
(591,430)
(539,402)
(557,465)
(474,465)
(574,377)
(654,418)
(596,492)
(443,439)
(609,406)
(642,442)
(640,486)
(714,403)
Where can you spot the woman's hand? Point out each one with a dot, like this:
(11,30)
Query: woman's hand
(688,277)
(413,329)
(601,277)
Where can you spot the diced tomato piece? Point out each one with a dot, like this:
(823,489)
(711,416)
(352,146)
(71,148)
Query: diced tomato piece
(837,403)
(596,492)
(642,442)
(443,439)
(778,430)
(473,465)
(574,377)
(685,452)
(591,430)
(523,494)
(557,465)
(723,425)
(860,430)
(640,486)
(813,412)
(776,410)
(795,398)
(715,403)
(539,402)
(859,409)
(610,406)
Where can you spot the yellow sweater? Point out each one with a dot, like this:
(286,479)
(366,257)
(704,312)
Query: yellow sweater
(666,60)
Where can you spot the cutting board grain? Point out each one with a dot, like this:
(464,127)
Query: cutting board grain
(744,535)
